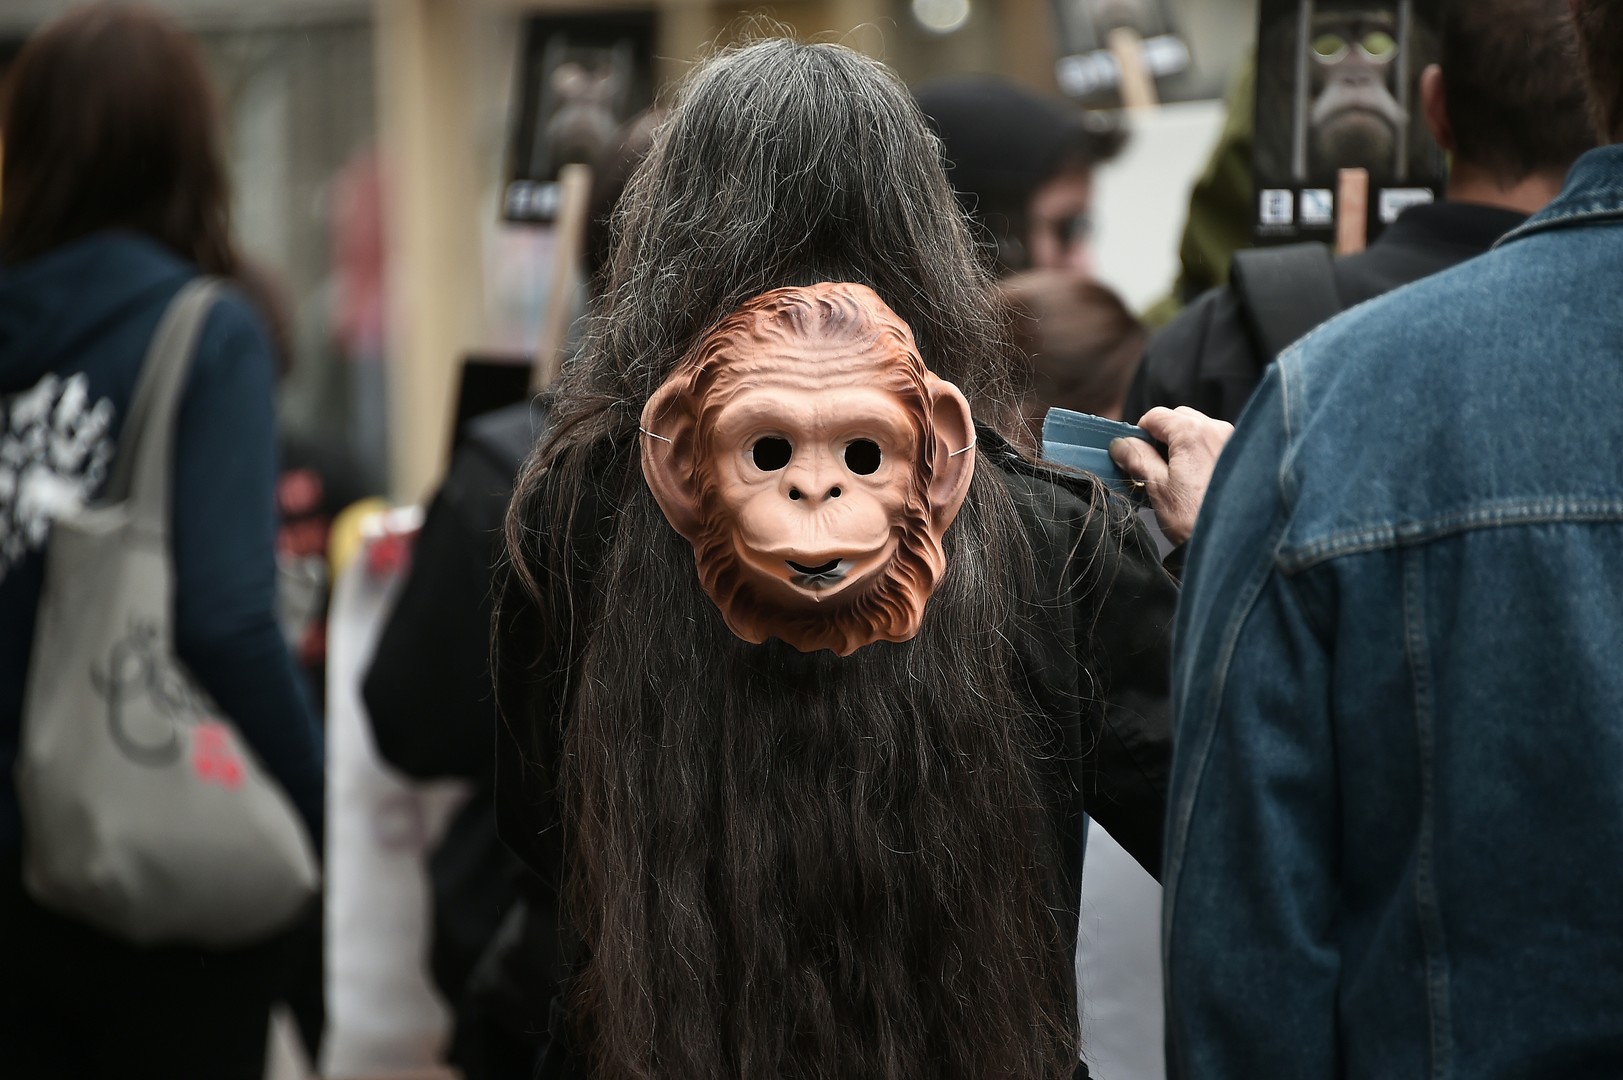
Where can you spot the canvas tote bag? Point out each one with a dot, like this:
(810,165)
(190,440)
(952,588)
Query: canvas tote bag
(144,814)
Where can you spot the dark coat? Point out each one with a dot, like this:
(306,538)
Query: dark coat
(1097,668)
(1210,358)
(429,696)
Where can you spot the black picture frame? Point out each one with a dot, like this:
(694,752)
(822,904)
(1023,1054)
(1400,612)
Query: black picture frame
(579,79)
(1302,139)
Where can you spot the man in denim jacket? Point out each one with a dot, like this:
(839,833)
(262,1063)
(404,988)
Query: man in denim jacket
(1395,838)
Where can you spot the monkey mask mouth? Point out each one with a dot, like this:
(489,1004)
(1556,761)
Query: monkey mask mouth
(821,576)
(816,577)
(815,464)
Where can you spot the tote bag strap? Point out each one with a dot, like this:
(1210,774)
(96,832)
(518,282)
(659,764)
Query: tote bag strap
(141,474)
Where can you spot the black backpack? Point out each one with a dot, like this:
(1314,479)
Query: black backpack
(1285,292)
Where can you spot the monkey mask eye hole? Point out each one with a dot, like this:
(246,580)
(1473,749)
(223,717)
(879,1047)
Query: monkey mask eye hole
(771,453)
(862,457)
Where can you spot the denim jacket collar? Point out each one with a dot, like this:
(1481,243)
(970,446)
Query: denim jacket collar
(1593,193)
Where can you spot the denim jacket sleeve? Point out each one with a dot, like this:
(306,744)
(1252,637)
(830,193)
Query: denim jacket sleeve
(1251,956)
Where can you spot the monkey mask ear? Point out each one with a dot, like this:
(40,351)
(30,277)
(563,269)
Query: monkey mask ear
(669,426)
(814,463)
(952,463)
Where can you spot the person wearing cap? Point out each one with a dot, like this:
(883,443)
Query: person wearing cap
(1022,166)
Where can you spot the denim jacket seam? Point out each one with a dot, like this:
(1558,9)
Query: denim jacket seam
(1594,211)
(1428,910)
(1290,387)
(1355,541)
(1180,815)
(1177,816)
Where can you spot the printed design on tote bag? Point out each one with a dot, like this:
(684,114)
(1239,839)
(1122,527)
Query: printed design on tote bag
(55,447)
(213,760)
(154,710)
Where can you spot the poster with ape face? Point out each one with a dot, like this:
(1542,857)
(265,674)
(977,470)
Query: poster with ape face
(579,79)
(1338,88)
(1087,69)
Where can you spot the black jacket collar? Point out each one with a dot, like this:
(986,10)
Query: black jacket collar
(1471,226)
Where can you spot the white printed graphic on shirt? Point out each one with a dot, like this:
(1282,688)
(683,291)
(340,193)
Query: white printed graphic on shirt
(54,453)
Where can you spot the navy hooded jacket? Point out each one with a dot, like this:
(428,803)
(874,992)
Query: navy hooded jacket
(75,324)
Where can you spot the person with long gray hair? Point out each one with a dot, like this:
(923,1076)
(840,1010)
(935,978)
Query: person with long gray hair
(781,863)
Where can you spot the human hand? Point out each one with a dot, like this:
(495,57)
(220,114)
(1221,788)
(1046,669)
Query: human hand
(1176,484)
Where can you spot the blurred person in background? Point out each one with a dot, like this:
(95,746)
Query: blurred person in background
(430,698)
(1022,167)
(1507,104)
(114,196)
(1083,343)
(316,482)
(1219,217)
(1393,848)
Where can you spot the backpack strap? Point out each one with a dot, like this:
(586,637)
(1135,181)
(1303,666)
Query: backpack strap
(1285,292)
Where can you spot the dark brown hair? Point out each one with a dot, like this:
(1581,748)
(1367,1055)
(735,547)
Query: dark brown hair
(110,122)
(1002,143)
(1600,41)
(1515,102)
(1083,342)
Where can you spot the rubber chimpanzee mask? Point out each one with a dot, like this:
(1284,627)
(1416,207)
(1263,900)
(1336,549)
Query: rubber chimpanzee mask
(814,463)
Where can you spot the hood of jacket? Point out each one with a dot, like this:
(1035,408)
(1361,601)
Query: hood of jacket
(51,304)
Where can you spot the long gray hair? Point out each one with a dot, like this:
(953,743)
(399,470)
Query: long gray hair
(785,864)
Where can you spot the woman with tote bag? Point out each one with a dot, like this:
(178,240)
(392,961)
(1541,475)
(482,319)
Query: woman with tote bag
(114,204)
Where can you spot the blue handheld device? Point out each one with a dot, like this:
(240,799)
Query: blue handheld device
(1081,441)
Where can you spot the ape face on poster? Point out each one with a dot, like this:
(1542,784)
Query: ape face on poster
(1338,88)
(579,79)
(1087,69)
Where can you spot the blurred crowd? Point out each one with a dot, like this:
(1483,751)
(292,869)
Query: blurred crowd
(1324,641)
